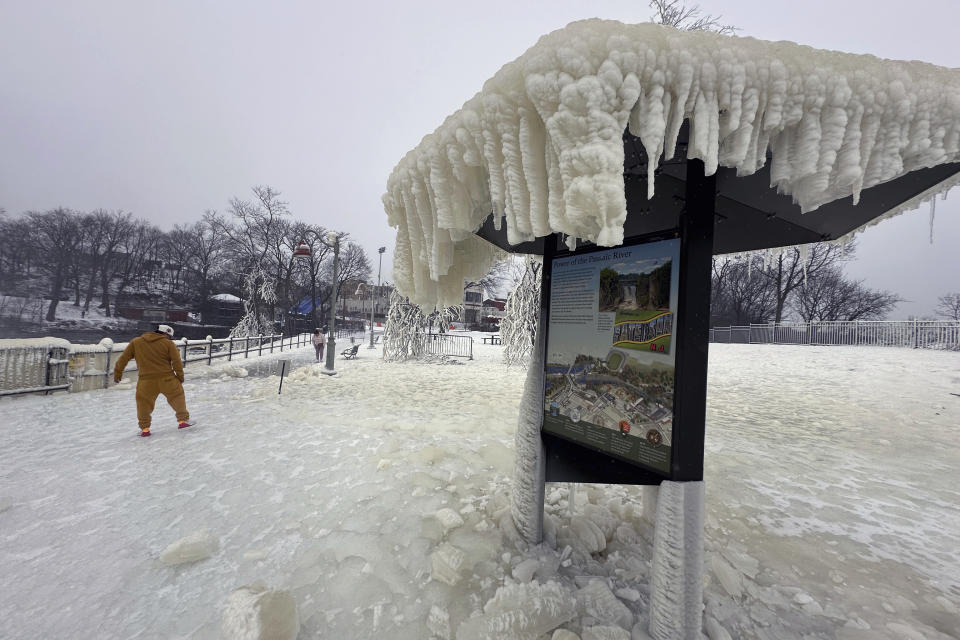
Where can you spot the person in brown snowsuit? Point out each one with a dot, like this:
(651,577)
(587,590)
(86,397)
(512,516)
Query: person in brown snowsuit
(160,370)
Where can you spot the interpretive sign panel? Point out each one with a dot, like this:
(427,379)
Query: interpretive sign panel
(610,353)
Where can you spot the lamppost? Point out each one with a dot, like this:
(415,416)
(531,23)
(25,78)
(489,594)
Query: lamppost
(303,251)
(373,301)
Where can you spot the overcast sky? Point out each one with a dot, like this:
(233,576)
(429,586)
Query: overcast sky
(170,108)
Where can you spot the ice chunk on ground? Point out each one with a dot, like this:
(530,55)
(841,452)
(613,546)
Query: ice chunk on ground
(905,632)
(522,612)
(438,622)
(448,519)
(605,632)
(524,571)
(564,634)
(714,630)
(628,594)
(745,564)
(626,534)
(597,601)
(194,547)
(256,612)
(446,563)
(5,503)
(602,517)
(589,534)
(728,577)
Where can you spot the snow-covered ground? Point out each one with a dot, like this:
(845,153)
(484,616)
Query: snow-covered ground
(375,497)
(36,308)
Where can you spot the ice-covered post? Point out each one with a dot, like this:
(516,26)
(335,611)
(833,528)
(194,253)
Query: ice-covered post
(676,586)
(529,463)
(108,343)
(209,350)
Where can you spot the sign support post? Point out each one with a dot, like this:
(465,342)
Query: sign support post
(676,585)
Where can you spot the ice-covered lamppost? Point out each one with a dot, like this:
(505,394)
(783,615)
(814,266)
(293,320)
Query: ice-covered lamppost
(303,251)
(375,295)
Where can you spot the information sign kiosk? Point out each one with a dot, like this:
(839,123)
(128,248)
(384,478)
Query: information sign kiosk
(626,354)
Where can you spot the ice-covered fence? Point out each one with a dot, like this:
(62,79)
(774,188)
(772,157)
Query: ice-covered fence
(33,365)
(445,344)
(917,334)
(51,364)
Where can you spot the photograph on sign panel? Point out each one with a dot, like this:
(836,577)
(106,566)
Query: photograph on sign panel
(639,296)
(609,375)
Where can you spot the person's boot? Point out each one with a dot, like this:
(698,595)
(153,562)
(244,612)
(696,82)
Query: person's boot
(145,433)
(183,424)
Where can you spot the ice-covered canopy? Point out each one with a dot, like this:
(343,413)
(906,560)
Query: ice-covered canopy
(540,147)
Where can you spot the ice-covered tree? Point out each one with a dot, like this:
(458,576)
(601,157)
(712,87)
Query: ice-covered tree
(518,328)
(404,332)
(255,321)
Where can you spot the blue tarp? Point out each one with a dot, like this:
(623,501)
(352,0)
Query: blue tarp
(304,307)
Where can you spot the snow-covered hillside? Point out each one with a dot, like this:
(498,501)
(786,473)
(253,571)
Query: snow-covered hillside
(376,499)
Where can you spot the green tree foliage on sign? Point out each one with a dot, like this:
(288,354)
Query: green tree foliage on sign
(609,289)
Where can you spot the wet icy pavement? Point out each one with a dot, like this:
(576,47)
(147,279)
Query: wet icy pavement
(821,520)
(840,467)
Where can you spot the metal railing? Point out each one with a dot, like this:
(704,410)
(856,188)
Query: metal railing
(34,369)
(85,367)
(916,334)
(445,344)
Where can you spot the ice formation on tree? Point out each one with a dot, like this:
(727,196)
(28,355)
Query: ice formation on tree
(518,327)
(261,294)
(404,329)
(405,332)
(540,147)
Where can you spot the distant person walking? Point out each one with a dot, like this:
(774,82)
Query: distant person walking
(160,370)
(318,343)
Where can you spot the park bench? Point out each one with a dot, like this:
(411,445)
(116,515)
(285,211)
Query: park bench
(351,352)
(491,339)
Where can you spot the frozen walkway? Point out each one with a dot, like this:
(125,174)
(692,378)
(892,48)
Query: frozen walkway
(831,477)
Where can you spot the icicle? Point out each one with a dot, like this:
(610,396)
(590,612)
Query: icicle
(804,254)
(933,212)
(845,245)
(534,144)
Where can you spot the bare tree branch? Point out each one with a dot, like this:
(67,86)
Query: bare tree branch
(689,18)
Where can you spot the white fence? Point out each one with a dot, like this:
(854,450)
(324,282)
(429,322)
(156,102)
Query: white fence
(31,369)
(916,334)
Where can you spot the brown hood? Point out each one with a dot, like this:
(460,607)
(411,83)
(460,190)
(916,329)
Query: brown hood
(156,356)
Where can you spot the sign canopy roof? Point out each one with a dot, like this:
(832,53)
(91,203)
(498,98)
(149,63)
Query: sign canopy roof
(807,145)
